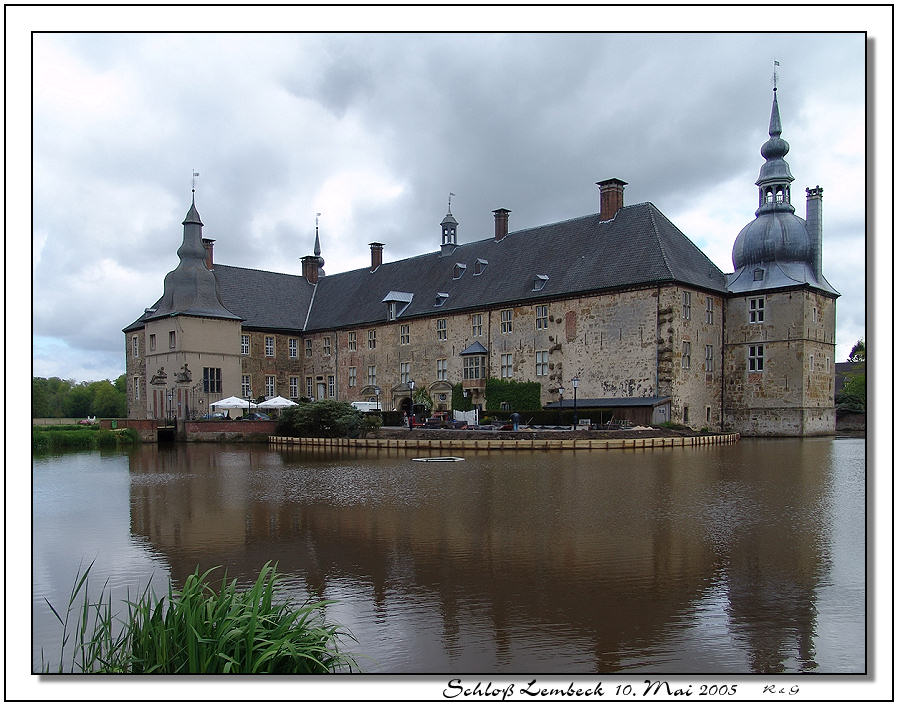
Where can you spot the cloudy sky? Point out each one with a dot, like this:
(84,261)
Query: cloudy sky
(373,130)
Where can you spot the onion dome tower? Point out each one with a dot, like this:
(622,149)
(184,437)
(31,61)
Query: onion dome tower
(778,249)
(449,230)
(190,288)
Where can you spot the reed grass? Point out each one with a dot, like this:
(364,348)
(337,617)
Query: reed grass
(199,630)
(46,440)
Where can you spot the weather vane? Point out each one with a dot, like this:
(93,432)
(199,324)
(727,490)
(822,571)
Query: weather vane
(193,183)
(775,64)
(450,201)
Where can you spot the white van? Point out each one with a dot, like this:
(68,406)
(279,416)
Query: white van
(366,406)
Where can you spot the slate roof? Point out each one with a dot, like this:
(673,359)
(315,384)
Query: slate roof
(638,247)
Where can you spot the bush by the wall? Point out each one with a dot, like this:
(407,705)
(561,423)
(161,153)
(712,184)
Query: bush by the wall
(325,418)
(513,393)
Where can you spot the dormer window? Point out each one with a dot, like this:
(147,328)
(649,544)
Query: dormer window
(759,275)
(458,270)
(441,298)
(397,303)
(539,282)
(480,266)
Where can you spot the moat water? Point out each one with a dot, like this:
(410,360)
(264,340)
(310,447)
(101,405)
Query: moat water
(729,559)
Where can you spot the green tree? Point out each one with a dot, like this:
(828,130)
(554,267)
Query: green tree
(107,400)
(325,418)
(79,401)
(858,352)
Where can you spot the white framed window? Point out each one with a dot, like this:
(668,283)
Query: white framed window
(292,345)
(269,346)
(756,358)
(135,347)
(372,374)
(476,325)
(686,358)
(136,388)
(442,373)
(152,341)
(331,386)
(294,387)
(709,358)
(404,374)
(372,338)
(244,344)
(171,339)
(756,310)
(542,317)
(246,389)
(506,366)
(542,363)
(709,310)
(269,386)
(474,367)
(506,316)
(403,335)
(309,388)
(441,329)
(326,345)
(353,379)
(351,341)
(687,305)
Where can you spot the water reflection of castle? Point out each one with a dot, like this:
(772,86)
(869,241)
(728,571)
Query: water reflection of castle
(617,566)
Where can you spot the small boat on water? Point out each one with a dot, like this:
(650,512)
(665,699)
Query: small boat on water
(439,459)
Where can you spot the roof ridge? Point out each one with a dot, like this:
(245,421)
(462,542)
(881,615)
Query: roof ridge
(655,209)
(256,269)
(664,257)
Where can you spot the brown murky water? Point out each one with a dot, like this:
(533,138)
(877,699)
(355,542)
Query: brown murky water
(731,559)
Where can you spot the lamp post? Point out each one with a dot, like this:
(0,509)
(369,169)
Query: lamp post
(377,392)
(560,403)
(576,383)
(411,404)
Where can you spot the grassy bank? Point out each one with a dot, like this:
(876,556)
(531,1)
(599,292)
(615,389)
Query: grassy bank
(197,630)
(79,438)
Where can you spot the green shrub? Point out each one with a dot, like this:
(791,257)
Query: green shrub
(371,422)
(199,630)
(79,438)
(325,418)
(515,394)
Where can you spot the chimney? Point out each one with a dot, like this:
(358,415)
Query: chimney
(611,198)
(815,227)
(208,244)
(310,269)
(377,255)
(501,215)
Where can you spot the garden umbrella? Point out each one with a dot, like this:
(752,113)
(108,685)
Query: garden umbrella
(276,403)
(233,403)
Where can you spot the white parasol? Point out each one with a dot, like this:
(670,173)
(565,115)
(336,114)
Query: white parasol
(234,403)
(276,403)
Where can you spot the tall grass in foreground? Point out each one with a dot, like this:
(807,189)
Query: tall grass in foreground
(199,630)
(52,439)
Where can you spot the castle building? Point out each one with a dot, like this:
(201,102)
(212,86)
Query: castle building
(621,300)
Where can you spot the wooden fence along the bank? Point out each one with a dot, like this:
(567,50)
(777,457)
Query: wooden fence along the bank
(541,444)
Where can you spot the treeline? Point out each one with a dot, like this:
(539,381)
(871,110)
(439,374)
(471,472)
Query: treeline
(54,397)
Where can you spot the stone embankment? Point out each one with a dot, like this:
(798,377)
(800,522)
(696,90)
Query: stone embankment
(458,440)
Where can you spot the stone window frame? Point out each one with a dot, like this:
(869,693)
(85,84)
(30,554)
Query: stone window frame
(506,368)
(686,356)
(172,340)
(709,310)
(353,376)
(136,380)
(405,371)
(326,345)
(246,386)
(310,387)
(756,358)
(709,358)
(270,385)
(244,344)
(135,347)
(308,347)
(372,338)
(294,387)
(442,330)
(211,380)
(475,367)
(152,341)
(506,318)
(404,335)
(687,306)
(542,316)
(269,346)
(685,414)
(476,325)
(331,386)
(293,347)
(372,375)
(756,308)
(442,369)
(542,363)
(351,341)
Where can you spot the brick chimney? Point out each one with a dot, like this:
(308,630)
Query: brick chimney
(377,255)
(501,215)
(310,269)
(815,226)
(611,198)
(208,244)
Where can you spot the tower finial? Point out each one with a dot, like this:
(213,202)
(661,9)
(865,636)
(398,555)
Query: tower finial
(450,201)
(193,183)
(775,64)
